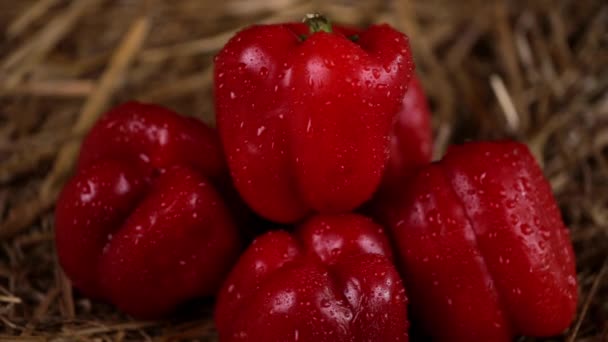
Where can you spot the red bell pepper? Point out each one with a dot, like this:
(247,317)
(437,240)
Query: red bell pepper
(483,245)
(333,280)
(411,138)
(140,224)
(305,114)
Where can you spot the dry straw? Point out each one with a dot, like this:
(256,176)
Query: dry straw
(531,70)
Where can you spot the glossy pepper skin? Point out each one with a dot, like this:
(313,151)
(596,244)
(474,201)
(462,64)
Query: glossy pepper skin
(483,245)
(305,117)
(411,138)
(140,223)
(332,280)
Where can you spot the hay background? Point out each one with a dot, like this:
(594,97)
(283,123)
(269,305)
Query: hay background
(531,70)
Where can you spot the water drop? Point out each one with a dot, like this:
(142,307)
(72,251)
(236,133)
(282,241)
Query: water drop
(261,130)
(571,280)
(482,177)
(525,229)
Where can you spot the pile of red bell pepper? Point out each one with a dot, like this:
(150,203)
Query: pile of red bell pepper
(316,121)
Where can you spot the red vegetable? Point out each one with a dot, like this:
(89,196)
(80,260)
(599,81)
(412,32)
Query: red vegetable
(411,137)
(333,280)
(305,115)
(140,223)
(484,247)
(410,148)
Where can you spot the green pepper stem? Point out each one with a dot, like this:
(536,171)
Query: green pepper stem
(317,23)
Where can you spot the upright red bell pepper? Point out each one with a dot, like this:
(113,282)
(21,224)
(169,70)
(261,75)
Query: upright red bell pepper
(304,114)
(333,280)
(140,224)
(483,246)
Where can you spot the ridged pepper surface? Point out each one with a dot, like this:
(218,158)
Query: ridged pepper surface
(305,113)
(140,224)
(482,246)
(332,280)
